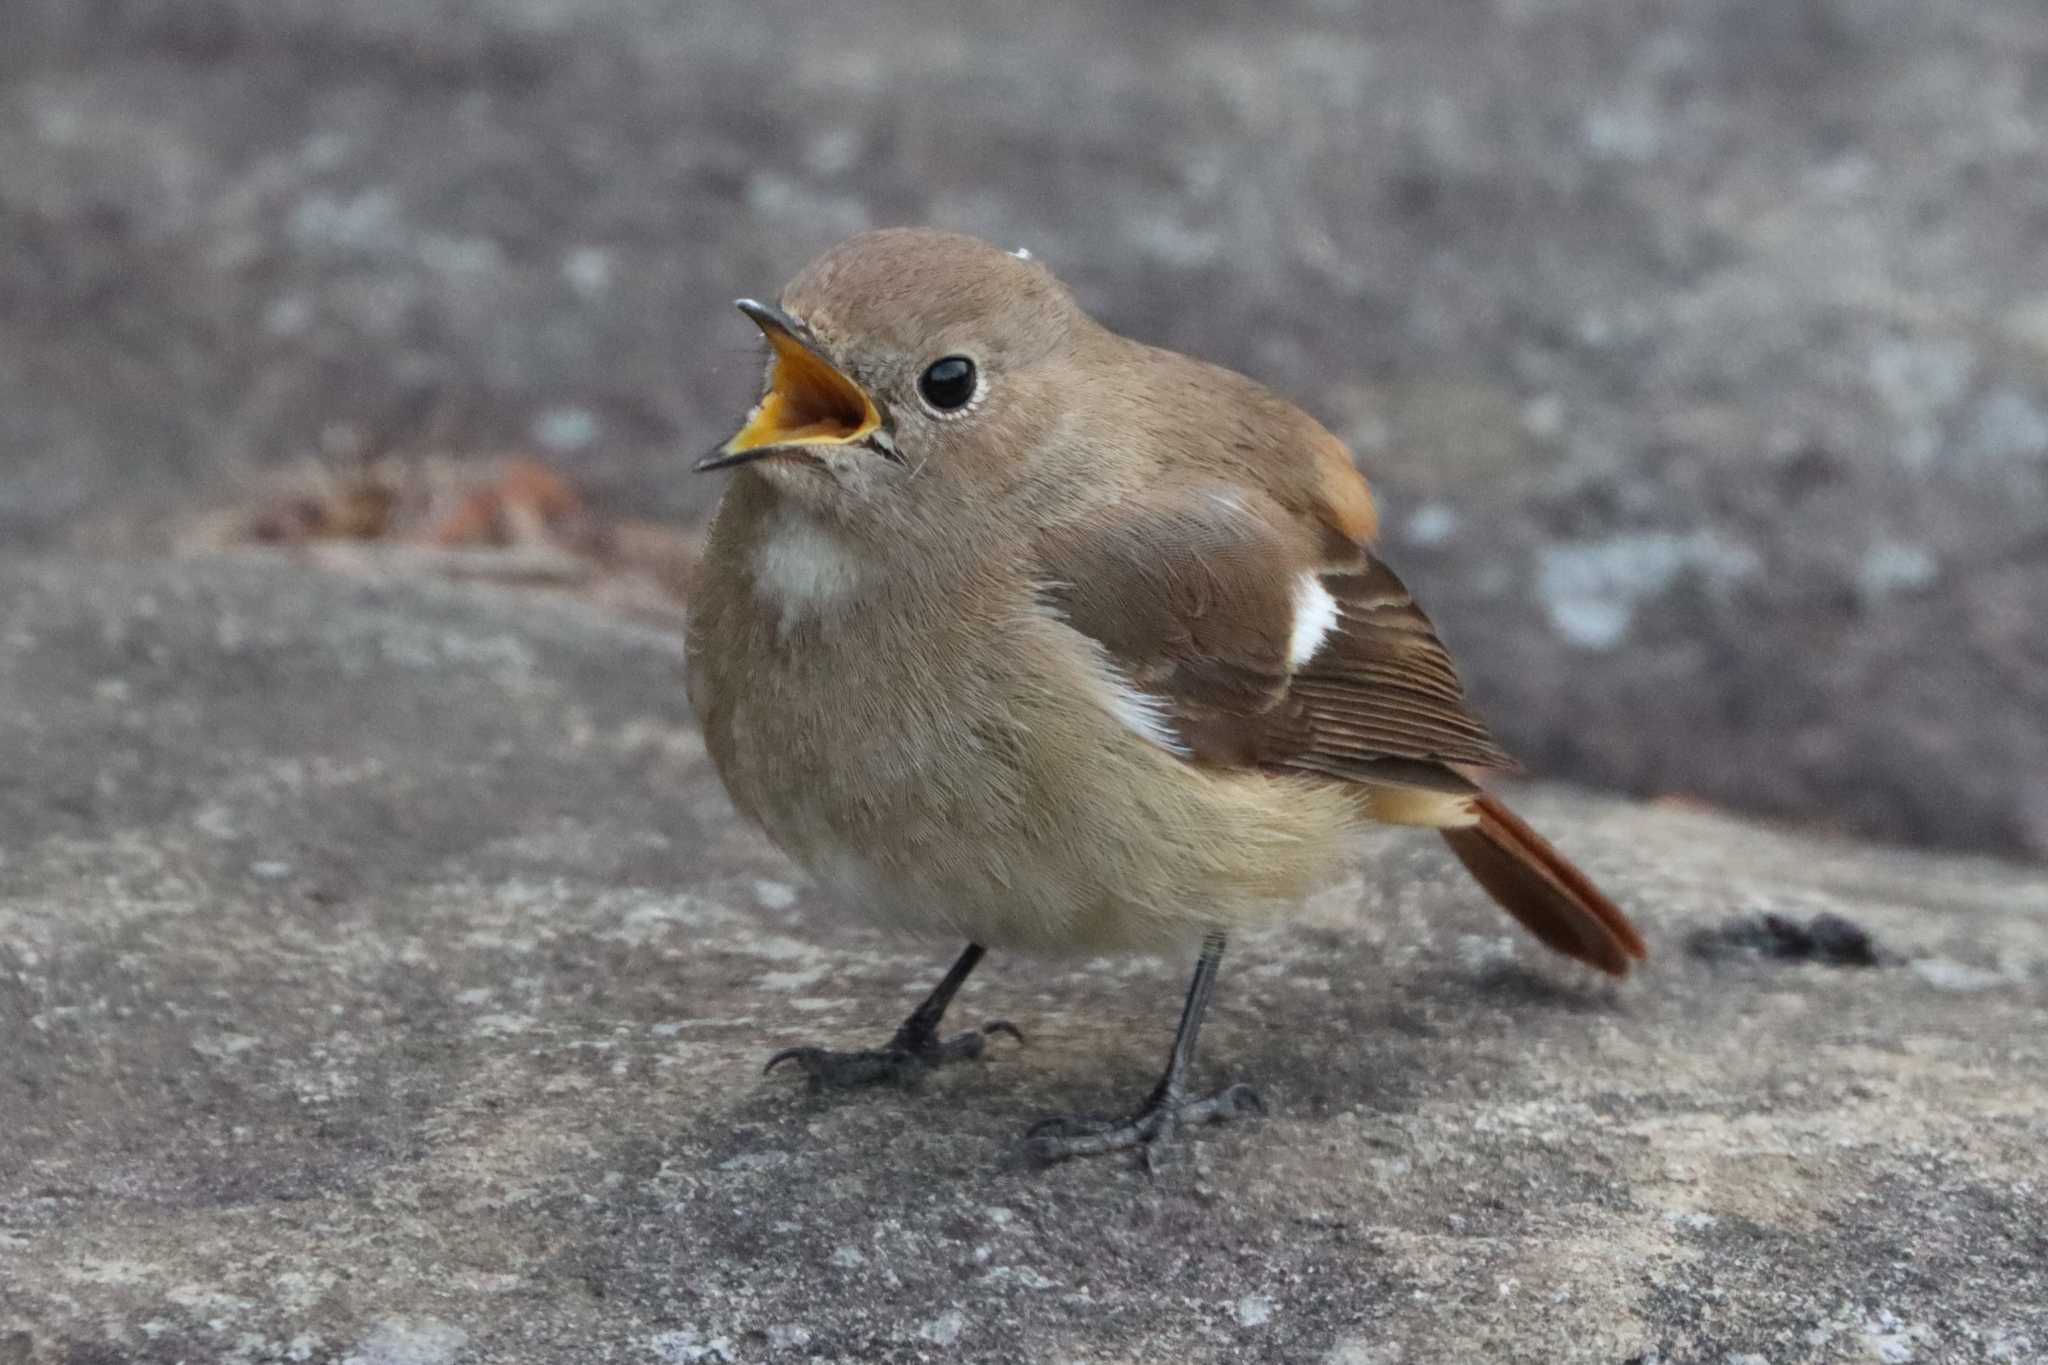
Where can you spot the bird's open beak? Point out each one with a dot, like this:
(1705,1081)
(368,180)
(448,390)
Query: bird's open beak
(808,403)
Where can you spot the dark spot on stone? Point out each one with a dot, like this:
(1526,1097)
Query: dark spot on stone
(77,804)
(1829,940)
(1414,193)
(1808,469)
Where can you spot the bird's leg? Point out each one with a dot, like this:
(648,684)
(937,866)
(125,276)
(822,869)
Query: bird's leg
(916,1048)
(1168,1107)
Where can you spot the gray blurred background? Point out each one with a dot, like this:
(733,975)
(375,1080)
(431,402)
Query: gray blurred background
(1699,349)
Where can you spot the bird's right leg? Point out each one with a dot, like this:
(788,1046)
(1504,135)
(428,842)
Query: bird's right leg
(1168,1108)
(916,1049)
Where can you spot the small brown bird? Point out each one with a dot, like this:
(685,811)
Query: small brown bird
(1024,633)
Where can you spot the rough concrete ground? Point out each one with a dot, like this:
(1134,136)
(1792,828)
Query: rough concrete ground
(383,978)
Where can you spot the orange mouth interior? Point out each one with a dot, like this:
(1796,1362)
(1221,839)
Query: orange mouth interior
(808,403)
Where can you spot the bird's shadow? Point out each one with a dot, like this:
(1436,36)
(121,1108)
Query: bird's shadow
(1361,1049)
(1509,986)
(1387,1053)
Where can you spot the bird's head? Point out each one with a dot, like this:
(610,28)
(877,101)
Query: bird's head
(905,367)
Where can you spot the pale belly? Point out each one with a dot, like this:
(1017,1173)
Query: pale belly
(896,813)
(947,831)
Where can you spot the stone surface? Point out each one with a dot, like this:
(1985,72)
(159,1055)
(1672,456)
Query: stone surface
(1698,347)
(384,979)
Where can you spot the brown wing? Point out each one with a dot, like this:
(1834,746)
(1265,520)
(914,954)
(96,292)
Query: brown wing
(1381,688)
(1195,597)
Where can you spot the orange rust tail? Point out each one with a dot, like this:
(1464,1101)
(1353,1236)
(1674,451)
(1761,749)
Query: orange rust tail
(1538,886)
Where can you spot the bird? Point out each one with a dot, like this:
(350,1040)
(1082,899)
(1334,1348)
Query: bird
(1014,631)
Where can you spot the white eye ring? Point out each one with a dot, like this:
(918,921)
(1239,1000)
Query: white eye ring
(940,380)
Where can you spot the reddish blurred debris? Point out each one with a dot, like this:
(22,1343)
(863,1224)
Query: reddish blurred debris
(359,512)
(512,519)
(528,503)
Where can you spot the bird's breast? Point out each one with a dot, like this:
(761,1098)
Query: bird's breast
(803,571)
(833,691)
(946,751)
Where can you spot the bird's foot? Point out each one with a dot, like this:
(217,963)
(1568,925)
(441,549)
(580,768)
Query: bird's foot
(905,1061)
(1150,1131)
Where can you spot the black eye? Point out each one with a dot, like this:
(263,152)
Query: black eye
(949,383)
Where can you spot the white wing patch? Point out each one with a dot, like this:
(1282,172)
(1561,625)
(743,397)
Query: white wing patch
(1144,716)
(1148,717)
(1315,616)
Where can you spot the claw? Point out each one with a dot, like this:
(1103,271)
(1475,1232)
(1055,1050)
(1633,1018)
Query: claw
(996,1026)
(905,1061)
(1070,1124)
(1227,1103)
(1149,1131)
(792,1054)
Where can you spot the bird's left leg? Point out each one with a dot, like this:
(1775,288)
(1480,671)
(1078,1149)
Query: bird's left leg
(916,1048)
(1168,1107)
